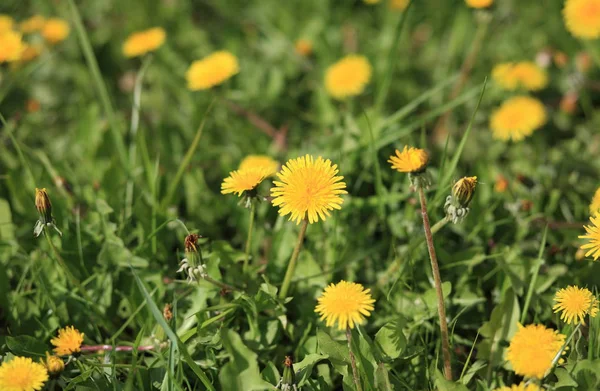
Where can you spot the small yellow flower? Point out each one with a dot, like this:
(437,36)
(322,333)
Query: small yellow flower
(532,349)
(240,181)
(345,303)
(11,46)
(22,374)
(521,387)
(479,3)
(308,188)
(143,42)
(260,161)
(69,341)
(33,24)
(524,74)
(212,70)
(303,47)
(55,30)
(501,184)
(399,5)
(593,236)
(575,303)
(517,118)
(54,364)
(595,204)
(6,23)
(348,77)
(582,18)
(411,159)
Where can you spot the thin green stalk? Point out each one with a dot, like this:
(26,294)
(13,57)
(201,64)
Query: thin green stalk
(220,284)
(249,238)
(438,285)
(289,273)
(24,162)
(562,348)
(592,48)
(353,360)
(536,270)
(378,181)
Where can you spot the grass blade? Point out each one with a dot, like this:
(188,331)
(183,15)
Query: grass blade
(536,270)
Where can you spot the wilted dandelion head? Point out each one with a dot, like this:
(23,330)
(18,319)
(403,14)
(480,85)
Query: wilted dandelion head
(240,181)
(212,70)
(345,303)
(532,349)
(22,374)
(464,189)
(410,160)
(521,387)
(143,42)
(33,24)
(260,162)
(595,204)
(593,238)
(11,46)
(399,5)
(54,364)
(69,341)
(574,304)
(524,74)
(517,118)
(308,189)
(582,18)
(303,47)
(55,30)
(348,77)
(479,3)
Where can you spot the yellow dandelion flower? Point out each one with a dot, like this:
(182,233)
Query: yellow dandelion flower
(11,46)
(371,1)
(593,236)
(348,77)
(524,74)
(212,70)
(240,181)
(574,304)
(55,30)
(22,374)
(308,188)
(33,24)
(54,364)
(303,47)
(260,161)
(532,349)
(69,341)
(143,42)
(399,5)
(345,303)
(595,204)
(31,52)
(521,387)
(411,160)
(479,3)
(582,18)
(517,118)
(6,23)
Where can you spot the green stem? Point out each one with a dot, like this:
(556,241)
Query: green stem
(289,273)
(353,360)
(562,349)
(438,285)
(536,271)
(220,284)
(249,238)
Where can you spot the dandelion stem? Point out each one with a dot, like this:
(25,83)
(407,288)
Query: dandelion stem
(220,284)
(249,239)
(438,285)
(96,348)
(289,273)
(562,349)
(353,360)
(538,263)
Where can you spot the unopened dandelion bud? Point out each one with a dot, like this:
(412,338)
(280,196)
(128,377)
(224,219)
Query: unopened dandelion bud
(44,208)
(457,204)
(54,364)
(288,380)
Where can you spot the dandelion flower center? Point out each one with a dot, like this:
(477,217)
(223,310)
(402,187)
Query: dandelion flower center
(593,236)
(243,180)
(69,341)
(574,304)
(348,77)
(22,374)
(409,160)
(532,350)
(345,303)
(517,118)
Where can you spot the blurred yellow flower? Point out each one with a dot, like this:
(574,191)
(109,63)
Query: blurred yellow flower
(521,387)
(371,1)
(399,5)
(240,181)
(348,77)
(33,24)
(260,161)
(345,303)
(308,188)
(11,46)
(69,341)
(6,23)
(22,374)
(517,118)
(303,47)
(593,235)
(479,3)
(142,42)
(595,204)
(55,30)
(31,52)
(532,349)
(212,70)
(501,184)
(574,304)
(54,364)
(524,74)
(411,160)
(582,18)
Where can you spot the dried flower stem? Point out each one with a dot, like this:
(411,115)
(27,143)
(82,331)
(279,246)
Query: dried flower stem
(249,239)
(438,285)
(289,273)
(96,348)
(353,360)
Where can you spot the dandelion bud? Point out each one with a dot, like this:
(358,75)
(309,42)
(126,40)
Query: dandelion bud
(54,364)
(192,263)
(288,380)
(44,208)
(457,204)
(190,244)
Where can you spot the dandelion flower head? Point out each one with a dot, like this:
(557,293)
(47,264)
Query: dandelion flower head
(142,42)
(33,24)
(11,46)
(69,341)
(532,349)
(308,188)
(55,30)
(212,70)
(243,180)
(399,5)
(54,364)
(574,304)
(22,374)
(479,3)
(595,204)
(411,160)
(524,74)
(303,47)
(6,23)
(521,387)
(582,18)
(270,165)
(345,303)
(348,77)
(517,118)
(593,237)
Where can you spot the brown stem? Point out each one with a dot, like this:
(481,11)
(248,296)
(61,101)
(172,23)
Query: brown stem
(438,285)
(353,360)
(221,285)
(95,348)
